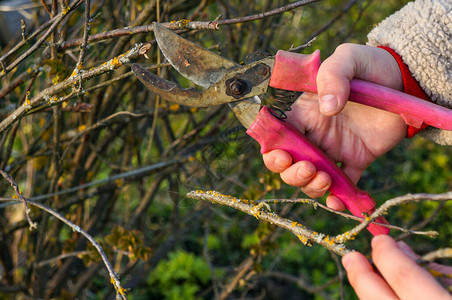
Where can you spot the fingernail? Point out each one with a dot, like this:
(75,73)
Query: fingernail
(328,103)
(321,183)
(280,162)
(304,171)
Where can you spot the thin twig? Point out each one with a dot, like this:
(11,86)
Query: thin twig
(83,47)
(244,267)
(48,93)
(29,73)
(46,7)
(440,253)
(82,92)
(421,224)
(97,125)
(113,276)
(130,174)
(334,244)
(340,272)
(62,256)
(29,37)
(85,33)
(316,204)
(267,14)
(334,20)
(305,234)
(32,224)
(41,40)
(134,173)
(391,203)
(305,45)
(184,24)
(115,33)
(315,290)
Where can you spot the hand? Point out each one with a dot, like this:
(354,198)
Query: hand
(401,277)
(350,133)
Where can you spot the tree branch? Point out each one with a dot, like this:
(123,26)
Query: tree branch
(8,178)
(184,24)
(113,276)
(252,208)
(47,95)
(41,40)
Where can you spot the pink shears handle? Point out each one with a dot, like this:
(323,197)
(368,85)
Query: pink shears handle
(298,72)
(271,133)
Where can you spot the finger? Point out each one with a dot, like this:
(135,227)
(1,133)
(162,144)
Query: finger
(354,61)
(299,174)
(318,185)
(333,80)
(335,203)
(406,278)
(277,160)
(366,283)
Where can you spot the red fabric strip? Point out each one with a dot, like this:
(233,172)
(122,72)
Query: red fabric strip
(411,87)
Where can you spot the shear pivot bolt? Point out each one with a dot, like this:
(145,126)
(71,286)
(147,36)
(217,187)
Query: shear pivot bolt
(236,87)
(263,71)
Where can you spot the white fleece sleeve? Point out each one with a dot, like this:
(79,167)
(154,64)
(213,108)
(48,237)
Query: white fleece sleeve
(421,33)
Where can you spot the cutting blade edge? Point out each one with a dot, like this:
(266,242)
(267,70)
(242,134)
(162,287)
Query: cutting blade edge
(203,67)
(200,65)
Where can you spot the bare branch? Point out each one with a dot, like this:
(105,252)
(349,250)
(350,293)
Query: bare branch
(60,257)
(440,253)
(113,276)
(47,95)
(41,40)
(85,34)
(244,267)
(184,24)
(334,244)
(395,202)
(316,204)
(5,175)
(302,283)
(267,14)
(252,208)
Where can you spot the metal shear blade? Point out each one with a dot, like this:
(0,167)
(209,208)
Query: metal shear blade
(172,92)
(207,70)
(238,84)
(200,65)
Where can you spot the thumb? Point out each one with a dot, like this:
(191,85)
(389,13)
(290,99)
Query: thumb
(333,80)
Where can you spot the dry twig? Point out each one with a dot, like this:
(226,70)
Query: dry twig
(113,276)
(334,244)
(252,208)
(8,178)
(398,201)
(440,253)
(47,96)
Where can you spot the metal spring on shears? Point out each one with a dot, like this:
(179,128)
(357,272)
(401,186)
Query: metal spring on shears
(284,100)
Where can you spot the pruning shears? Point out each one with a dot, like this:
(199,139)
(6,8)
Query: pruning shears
(240,85)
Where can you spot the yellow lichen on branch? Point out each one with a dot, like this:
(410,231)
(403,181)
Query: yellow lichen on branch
(255,208)
(45,95)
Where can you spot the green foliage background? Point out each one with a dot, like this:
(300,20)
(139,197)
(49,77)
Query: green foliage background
(164,245)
